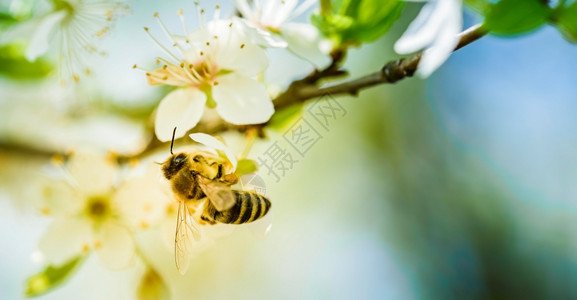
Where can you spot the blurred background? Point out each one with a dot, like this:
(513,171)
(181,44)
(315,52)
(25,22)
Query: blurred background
(459,186)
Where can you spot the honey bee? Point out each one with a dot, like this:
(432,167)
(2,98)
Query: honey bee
(196,177)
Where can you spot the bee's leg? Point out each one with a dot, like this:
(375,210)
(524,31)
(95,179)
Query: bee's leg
(219,173)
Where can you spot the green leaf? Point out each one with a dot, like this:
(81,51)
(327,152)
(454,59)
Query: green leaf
(353,22)
(152,287)
(246,166)
(510,17)
(15,65)
(51,277)
(480,6)
(566,20)
(285,117)
(6,18)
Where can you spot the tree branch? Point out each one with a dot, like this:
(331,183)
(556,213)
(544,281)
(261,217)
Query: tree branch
(392,72)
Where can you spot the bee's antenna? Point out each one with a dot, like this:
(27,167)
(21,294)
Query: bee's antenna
(172,141)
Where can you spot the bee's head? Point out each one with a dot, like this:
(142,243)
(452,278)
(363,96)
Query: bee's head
(174,164)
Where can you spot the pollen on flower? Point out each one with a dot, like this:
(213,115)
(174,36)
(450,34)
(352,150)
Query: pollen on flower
(170,210)
(241,46)
(97,208)
(144,225)
(85,248)
(57,159)
(111,156)
(102,32)
(45,211)
(133,162)
(97,244)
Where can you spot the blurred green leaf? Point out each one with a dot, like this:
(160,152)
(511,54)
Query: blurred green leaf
(356,21)
(152,287)
(509,17)
(566,20)
(6,18)
(51,277)
(246,166)
(480,6)
(285,117)
(15,65)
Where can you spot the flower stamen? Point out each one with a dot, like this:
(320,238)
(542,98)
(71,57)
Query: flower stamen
(181,17)
(168,35)
(158,44)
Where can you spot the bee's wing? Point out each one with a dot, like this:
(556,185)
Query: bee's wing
(185,229)
(219,194)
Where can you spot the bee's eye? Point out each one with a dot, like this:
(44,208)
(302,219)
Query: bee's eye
(179,159)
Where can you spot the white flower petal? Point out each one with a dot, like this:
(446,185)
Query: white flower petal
(58,198)
(442,48)
(168,231)
(64,239)
(214,143)
(21,30)
(140,200)
(262,37)
(43,35)
(422,30)
(276,12)
(181,108)
(244,8)
(242,100)
(305,40)
(93,174)
(302,8)
(114,245)
(235,51)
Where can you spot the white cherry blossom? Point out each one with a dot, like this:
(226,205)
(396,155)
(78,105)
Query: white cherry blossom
(436,30)
(93,213)
(269,24)
(216,66)
(74,25)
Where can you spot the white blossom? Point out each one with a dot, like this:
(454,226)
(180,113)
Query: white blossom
(74,25)
(93,213)
(436,29)
(268,24)
(216,67)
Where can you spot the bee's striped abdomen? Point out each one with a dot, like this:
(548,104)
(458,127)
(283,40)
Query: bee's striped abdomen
(249,207)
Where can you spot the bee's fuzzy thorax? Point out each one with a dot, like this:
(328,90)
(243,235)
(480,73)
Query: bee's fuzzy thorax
(174,164)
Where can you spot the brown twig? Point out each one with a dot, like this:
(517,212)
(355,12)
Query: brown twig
(392,72)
